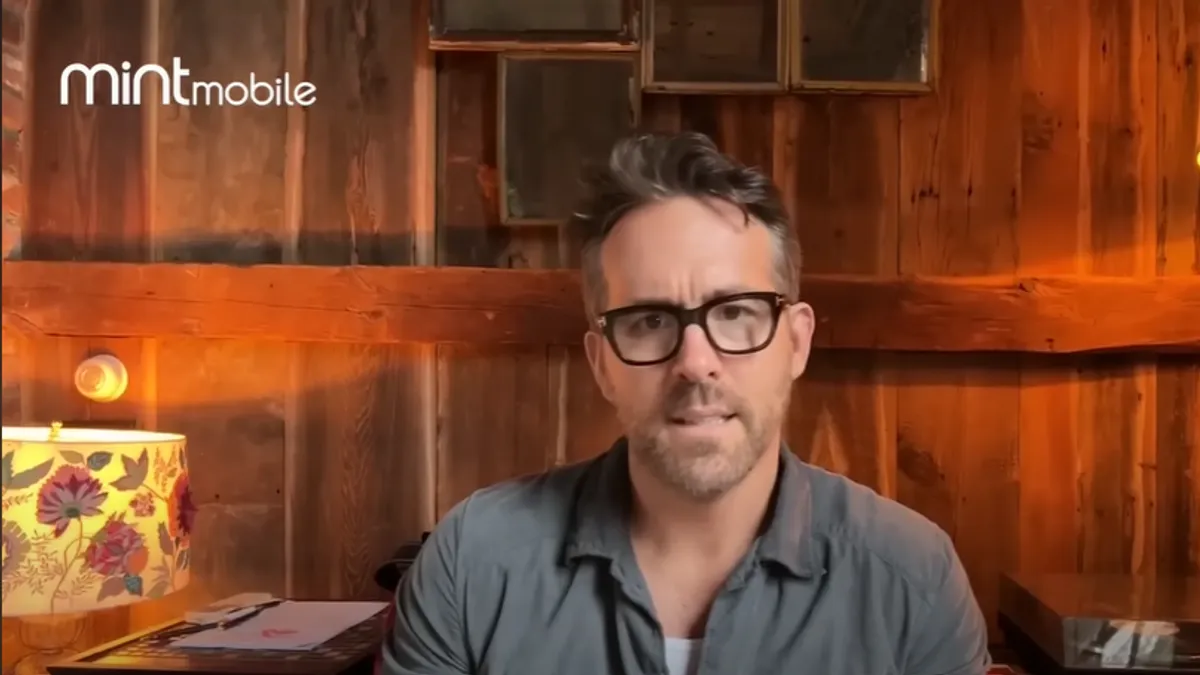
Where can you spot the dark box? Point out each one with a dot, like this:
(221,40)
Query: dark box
(1081,624)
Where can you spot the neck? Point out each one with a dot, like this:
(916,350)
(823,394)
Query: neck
(672,522)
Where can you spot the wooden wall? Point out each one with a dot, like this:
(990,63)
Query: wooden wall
(1061,140)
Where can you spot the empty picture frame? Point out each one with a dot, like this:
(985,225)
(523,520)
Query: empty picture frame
(558,115)
(608,25)
(865,45)
(715,46)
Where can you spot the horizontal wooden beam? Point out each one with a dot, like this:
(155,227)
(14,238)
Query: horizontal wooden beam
(499,306)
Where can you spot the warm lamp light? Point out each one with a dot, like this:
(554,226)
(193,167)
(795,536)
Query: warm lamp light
(93,518)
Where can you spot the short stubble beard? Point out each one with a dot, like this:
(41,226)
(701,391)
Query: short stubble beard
(705,471)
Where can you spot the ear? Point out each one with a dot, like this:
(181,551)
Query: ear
(800,323)
(595,346)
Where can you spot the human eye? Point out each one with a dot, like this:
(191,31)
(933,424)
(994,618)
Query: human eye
(646,322)
(741,310)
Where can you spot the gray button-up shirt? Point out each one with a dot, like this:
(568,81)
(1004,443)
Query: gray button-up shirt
(536,576)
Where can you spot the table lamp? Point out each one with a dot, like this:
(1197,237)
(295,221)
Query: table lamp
(93,518)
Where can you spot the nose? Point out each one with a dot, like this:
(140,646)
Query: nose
(696,360)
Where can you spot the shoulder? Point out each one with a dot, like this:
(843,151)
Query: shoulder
(517,516)
(881,532)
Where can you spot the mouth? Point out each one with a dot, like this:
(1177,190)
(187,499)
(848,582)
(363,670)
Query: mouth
(700,418)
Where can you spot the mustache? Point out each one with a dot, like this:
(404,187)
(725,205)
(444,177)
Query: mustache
(685,394)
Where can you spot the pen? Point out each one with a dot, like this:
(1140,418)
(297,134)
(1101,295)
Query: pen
(228,623)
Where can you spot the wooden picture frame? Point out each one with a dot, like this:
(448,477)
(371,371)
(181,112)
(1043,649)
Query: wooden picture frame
(673,83)
(927,62)
(620,36)
(534,216)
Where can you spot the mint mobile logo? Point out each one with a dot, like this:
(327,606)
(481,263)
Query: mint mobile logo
(125,87)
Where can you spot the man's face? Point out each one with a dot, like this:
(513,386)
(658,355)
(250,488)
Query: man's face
(702,420)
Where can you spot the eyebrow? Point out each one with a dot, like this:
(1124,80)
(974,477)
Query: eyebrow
(707,297)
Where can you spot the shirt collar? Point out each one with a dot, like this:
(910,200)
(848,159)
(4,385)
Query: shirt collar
(600,521)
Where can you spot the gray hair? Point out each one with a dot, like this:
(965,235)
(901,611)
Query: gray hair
(647,168)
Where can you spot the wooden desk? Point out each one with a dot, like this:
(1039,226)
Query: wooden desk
(350,653)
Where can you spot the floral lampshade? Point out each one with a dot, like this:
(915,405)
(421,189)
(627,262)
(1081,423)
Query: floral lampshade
(93,518)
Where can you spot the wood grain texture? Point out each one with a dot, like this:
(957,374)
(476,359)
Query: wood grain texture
(357,209)
(559,25)
(227,397)
(359,475)
(1117,394)
(716,46)
(1007,212)
(497,306)
(268,421)
(959,209)
(14,104)
(219,170)
(1050,239)
(87,189)
(843,408)
(359,486)
(1176,492)
(482,437)
(86,201)
(218,195)
(1022,458)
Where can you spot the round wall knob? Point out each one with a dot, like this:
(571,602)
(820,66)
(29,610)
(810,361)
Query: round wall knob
(102,378)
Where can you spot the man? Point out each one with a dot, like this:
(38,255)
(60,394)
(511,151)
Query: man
(697,545)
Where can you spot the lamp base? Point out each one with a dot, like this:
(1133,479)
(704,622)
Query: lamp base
(49,640)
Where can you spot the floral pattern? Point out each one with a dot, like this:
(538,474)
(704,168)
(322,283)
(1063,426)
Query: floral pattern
(142,505)
(16,545)
(117,548)
(103,526)
(181,508)
(71,494)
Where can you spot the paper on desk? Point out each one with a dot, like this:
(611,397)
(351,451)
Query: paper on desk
(297,626)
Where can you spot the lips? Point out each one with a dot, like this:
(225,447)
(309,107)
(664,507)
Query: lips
(700,417)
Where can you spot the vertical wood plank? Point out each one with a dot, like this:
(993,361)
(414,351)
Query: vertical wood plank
(1054,180)
(359,484)
(1178,116)
(361,58)
(226,396)
(218,196)
(497,418)
(86,186)
(497,411)
(960,164)
(468,217)
(1117,393)
(1176,525)
(360,469)
(220,168)
(1176,529)
(837,165)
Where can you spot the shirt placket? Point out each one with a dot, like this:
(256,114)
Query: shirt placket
(639,635)
(730,635)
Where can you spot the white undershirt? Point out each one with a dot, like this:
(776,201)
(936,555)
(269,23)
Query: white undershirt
(683,656)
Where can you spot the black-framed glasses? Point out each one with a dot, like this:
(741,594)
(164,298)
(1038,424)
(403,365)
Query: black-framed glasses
(649,334)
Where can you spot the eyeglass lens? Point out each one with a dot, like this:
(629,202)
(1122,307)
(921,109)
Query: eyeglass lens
(738,325)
